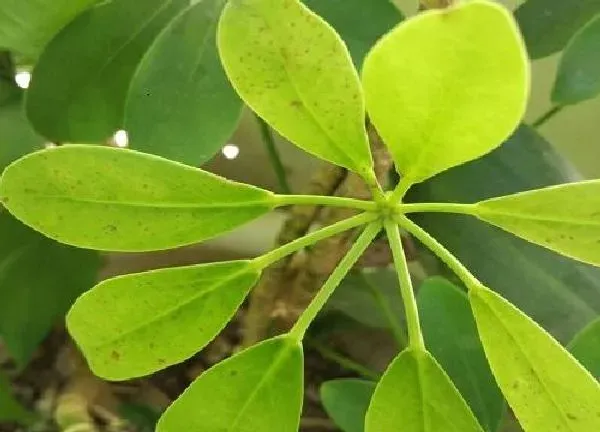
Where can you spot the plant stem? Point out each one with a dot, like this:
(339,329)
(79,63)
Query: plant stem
(435,208)
(315,306)
(333,201)
(345,362)
(401,188)
(547,116)
(276,163)
(329,231)
(444,254)
(415,336)
(397,330)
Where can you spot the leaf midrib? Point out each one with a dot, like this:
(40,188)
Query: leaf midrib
(481,211)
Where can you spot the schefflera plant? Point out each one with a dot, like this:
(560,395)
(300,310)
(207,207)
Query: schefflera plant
(443,88)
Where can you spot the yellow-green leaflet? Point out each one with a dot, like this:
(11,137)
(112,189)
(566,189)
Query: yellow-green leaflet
(544,385)
(416,395)
(294,70)
(121,200)
(564,218)
(447,86)
(136,324)
(256,390)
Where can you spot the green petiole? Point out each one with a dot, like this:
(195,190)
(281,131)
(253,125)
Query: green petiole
(332,201)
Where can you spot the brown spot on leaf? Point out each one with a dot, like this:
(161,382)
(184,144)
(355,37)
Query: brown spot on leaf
(115,355)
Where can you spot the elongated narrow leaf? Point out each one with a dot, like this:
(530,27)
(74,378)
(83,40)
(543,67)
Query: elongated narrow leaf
(447,86)
(346,401)
(10,409)
(26,26)
(564,218)
(451,336)
(578,76)
(544,385)
(39,280)
(585,347)
(84,102)
(259,389)
(134,325)
(293,70)
(180,104)
(359,23)
(416,395)
(115,199)
(548,25)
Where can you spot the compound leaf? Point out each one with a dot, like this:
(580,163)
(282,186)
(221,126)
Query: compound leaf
(460,79)
(134,325)
(115,199)
(578,76)
(259,389)
(416,395)
(585,347)
(180,103)
(85,101)
(563,218)
(544,385)
(294,70)
(548,25)
(346,401)
(451,335)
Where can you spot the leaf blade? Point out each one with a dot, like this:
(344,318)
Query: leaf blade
(346,401)
(585,348)
(136,202)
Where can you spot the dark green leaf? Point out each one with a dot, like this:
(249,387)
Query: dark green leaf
(39,279)
(80,82)
(360,23)
(346,401)
(451,336)
(10,409)
(180,104)
(585,347)
(256,390)
(548,25)
(578,76)
(557,292)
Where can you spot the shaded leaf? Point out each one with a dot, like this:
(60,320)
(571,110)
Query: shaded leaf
(133,325)
(460,78)
(26,26)
(180,103)
(564,218)
(451,337)
(116,199)
(10,409)
(259,389)
(544,385)
(85,102)
(39,279)
(346,402)
(578,76)
(293,70)
(548,25)
(559,293)
(360,24)
(416,395)
(585,347)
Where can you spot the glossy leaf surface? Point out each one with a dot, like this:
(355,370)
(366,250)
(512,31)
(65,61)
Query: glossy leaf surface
(578,75)
(346,402)
(548,25)
(585,347)
(545,386)
(115,199)
(85,103)
(134,325)
(451,336)
(180,103)
(416,395)
(259,389)
(564,218)
(39,280)
(293,70)
(447,86)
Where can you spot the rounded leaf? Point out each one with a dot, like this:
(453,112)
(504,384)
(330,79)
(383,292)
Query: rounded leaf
(121,200)
(447,86)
